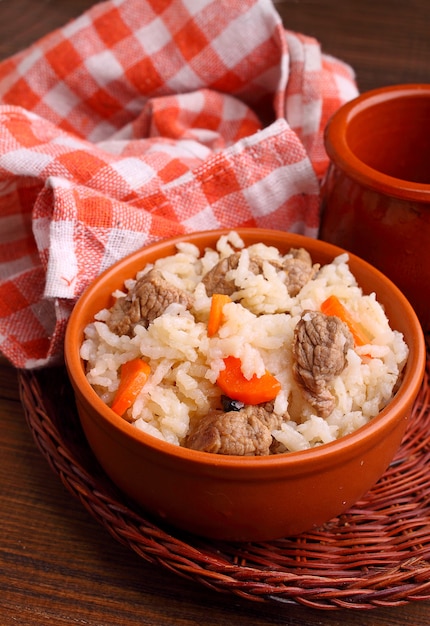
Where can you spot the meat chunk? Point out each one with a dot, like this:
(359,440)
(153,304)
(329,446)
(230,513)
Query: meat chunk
(147,300)
(298,268)
(215,280)
(247,432)
(320,345)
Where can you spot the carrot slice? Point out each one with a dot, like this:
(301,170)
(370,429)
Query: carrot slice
(250,391)
(215,313)
(333,306)
(133,377)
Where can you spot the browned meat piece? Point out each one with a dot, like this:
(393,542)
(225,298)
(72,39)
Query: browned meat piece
(321,343)
(147,300)
(245,433)
(215,280)
(298,268)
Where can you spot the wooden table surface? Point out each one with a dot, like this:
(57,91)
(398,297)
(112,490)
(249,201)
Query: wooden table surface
(57,565)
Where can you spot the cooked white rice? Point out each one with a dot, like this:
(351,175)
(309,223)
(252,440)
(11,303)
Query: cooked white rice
(259,330)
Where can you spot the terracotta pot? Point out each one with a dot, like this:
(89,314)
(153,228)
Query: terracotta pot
(376,195)
(244,498)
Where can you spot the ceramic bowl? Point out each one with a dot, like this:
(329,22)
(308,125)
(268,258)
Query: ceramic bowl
(243,498)
(376,196)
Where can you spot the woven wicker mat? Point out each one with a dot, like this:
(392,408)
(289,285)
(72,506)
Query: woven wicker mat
(377,554)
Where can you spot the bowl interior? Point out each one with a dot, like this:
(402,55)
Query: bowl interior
(381,138)
(398,309)
(392,135)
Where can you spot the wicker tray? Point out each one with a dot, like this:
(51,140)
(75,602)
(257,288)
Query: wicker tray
(378,554)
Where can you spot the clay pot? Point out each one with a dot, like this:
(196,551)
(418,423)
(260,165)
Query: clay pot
(376,195)
(244,498)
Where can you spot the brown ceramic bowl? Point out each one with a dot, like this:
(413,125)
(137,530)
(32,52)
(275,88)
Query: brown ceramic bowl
(244,498)
(376,196)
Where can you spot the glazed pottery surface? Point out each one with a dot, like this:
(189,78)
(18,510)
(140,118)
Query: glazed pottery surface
(376,195)
(243,498)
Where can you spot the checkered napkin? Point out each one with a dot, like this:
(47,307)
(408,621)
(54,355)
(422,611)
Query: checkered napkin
(144,119)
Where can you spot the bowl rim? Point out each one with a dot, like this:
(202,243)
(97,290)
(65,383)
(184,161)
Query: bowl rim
(340,153)
(310,458)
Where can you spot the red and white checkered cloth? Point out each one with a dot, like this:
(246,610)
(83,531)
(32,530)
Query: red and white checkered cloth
(144,119)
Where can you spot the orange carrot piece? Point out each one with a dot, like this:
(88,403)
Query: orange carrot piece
(215,313)
(333,306)
(253,391)
(133,377)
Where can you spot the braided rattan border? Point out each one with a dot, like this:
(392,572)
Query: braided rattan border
(378,554)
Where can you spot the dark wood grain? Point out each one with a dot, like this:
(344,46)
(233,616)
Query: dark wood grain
(385,42)
(57,565)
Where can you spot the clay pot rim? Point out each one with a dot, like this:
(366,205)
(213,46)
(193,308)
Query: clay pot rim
(341,155)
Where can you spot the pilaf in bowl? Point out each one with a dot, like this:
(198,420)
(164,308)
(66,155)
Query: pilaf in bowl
(277,374)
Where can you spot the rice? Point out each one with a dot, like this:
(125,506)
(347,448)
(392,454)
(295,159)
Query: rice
(258,328)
